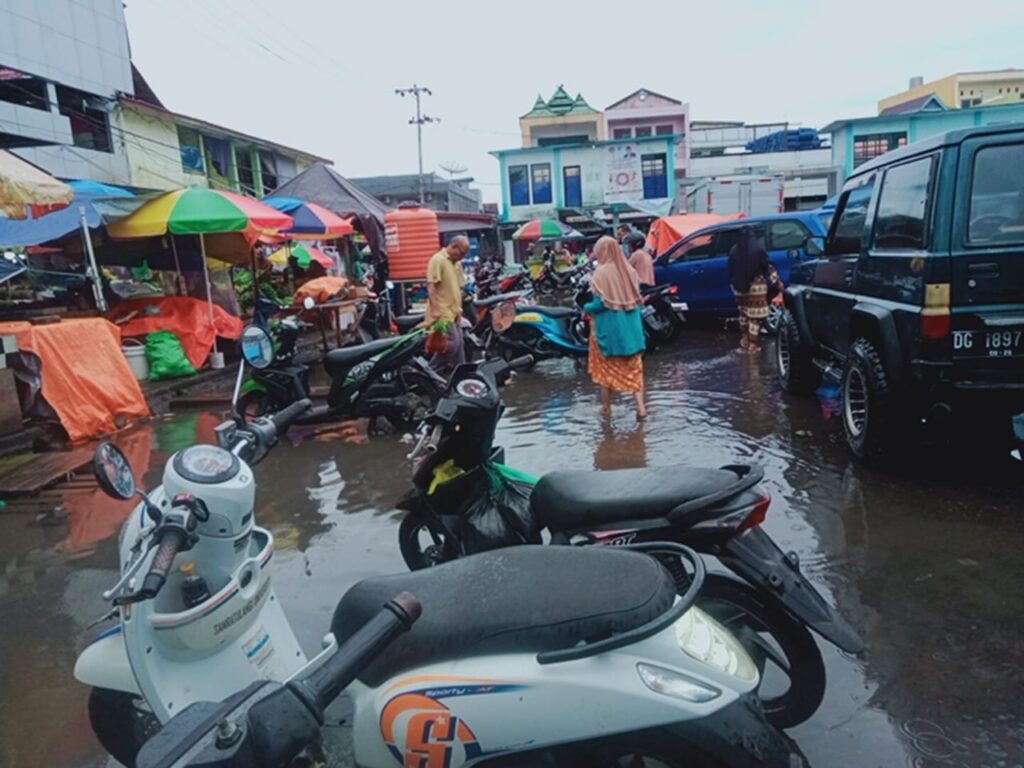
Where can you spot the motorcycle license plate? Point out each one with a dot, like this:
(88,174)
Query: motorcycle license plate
(1001,343)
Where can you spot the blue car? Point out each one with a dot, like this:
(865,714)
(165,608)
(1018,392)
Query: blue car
(698,264)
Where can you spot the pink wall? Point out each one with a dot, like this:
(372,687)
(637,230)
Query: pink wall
(651,112)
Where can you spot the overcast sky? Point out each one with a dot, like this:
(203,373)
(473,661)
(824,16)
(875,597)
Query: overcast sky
(320,75)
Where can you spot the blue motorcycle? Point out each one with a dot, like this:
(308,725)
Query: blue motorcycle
(545,333)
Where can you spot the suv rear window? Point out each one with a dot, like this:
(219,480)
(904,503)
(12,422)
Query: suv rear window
(901,221)
(997,195)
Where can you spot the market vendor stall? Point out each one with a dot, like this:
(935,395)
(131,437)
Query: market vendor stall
(188,318)
(78,368)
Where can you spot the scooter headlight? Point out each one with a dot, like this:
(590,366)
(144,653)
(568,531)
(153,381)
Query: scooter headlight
(675,684)
(709,642)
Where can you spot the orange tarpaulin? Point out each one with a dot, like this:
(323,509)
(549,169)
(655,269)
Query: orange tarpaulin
(322,289)
(669,230)
(85,376)
(189,319)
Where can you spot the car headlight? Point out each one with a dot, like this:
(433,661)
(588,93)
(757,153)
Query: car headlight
(709,642)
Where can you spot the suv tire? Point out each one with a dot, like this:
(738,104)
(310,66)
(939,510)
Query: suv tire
(868,412)
(794,359)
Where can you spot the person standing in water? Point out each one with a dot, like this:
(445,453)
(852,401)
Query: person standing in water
(617,334)
(445,281)
(750,271)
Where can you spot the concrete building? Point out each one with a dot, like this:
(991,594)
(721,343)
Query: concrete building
(452,195)
(646,113)
(719,148)
(60,75)
(561,120)
(963,89)
(857,140)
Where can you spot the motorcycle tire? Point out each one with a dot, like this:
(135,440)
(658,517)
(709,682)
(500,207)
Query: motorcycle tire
(544,288)
(426,390)
(415,555)
(751,615)
(669,329)
(255,403)
(119,723)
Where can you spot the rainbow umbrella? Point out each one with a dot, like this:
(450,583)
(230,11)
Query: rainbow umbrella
(199,211)
(312,221)
(304,255)
(545,229)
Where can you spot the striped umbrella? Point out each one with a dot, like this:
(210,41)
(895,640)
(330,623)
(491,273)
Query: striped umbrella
(545,229)
(304,255)
(312,221)
(199,211)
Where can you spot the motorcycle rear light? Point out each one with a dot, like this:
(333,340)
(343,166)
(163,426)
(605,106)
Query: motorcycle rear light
(674,290)
(676,685)
(757,514)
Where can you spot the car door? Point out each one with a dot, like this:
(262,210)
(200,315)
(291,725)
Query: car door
(717,289)
(683,266)
(787,240)
(829,302)
(987,262)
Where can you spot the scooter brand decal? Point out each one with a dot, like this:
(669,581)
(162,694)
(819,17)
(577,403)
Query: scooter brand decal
(242,612)
(421,732)
(614,538)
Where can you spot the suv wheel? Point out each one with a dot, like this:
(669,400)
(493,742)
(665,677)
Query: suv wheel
(868,413)
(793,357)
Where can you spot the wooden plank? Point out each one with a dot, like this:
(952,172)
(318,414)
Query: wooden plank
(44,470)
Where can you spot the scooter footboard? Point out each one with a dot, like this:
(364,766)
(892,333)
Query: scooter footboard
(754,556)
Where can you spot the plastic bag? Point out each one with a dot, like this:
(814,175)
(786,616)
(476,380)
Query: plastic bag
(167,358)
(437,342)
(500,515)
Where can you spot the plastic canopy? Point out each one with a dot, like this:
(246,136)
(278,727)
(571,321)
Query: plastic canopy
(669,230)
(24,188)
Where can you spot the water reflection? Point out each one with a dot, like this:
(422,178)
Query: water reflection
(621,449)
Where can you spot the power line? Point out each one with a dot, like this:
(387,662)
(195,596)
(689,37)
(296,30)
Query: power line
(418,121)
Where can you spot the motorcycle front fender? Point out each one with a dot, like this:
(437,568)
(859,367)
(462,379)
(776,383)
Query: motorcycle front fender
(754,556)
(104,664)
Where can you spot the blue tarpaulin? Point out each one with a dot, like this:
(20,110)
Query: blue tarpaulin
(97,199)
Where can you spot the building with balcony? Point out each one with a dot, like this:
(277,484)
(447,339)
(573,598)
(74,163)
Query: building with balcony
(646,113)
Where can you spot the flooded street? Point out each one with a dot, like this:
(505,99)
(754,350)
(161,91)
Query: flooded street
(924,561)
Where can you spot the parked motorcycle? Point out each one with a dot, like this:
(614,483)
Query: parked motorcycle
(465,500)
(387,378)
(550,280)
(517,659)
(544,333)
(663,317)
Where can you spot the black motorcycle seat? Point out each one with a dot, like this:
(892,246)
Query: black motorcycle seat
(341,360)
(647,290)
(407,323)
(571,499)
(555,312)
(524,599)
(497,298)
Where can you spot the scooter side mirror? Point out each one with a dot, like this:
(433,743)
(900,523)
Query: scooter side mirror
(257,347)
(308,303)
(114,472)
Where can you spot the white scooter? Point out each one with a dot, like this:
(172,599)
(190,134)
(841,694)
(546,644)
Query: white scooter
(529,655)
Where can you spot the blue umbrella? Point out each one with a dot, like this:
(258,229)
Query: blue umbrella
(97,189)
(310,219)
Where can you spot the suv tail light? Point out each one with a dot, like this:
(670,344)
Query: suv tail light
(757,514)
(936,320)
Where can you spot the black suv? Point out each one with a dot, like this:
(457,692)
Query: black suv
(919,296)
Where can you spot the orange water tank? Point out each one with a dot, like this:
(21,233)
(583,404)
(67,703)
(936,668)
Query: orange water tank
(412,238)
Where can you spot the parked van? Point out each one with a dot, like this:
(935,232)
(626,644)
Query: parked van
(918,298)
(698,265)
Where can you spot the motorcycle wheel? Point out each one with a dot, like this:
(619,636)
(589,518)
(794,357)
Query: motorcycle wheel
(254,404)
(778,643)
(667,329)
(544,288)
(121,723)
(424,389)
(655,748)
(424,542)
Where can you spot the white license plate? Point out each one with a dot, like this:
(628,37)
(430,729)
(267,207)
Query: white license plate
(1008,343)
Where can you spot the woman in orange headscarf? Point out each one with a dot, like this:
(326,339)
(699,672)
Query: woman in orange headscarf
(617,333)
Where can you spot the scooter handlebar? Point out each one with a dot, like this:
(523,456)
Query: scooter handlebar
(284,418)
(166,551)
(323,685)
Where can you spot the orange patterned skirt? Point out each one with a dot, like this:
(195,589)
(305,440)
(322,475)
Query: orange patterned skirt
(623,374)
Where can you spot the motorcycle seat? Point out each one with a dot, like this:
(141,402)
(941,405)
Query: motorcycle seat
(555,312)
(496,299)
(338,361)
(523,599)
(407,323)
(571,499)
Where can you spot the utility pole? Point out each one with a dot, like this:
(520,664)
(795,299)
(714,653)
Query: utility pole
(418,121)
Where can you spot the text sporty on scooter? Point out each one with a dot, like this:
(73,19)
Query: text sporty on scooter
(495,674)
(530,656)
(465,500)
(387,378)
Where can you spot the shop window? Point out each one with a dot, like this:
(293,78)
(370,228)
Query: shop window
(622,133)
(519,185)
(653,168)
(541,173)
(642,131)
(573,187)
(191,147)
(90,121)
(268,171)
(23,89)
(871,146)
(246,172)
(903,206)
(663,130)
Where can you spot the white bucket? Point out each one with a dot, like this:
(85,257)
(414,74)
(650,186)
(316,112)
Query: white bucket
(216,359)
(136,355)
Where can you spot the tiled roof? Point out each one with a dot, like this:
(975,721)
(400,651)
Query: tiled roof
(931,103)
(561,104)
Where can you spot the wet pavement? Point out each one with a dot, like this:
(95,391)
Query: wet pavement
(925,560)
